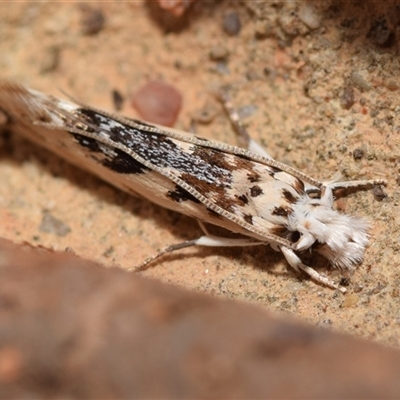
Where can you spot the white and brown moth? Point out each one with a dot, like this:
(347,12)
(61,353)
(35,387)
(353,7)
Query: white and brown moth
(243,191)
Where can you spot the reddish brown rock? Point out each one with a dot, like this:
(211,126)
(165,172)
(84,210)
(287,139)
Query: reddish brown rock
(158,102)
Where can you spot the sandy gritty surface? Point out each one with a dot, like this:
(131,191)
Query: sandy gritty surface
(311,95)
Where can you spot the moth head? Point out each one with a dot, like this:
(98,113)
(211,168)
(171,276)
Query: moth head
(338,237)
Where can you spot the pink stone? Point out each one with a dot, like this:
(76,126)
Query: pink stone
(158,102)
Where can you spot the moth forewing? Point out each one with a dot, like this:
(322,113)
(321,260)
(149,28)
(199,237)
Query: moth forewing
(223,185)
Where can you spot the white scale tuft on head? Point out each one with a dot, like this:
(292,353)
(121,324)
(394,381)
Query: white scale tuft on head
(340,238)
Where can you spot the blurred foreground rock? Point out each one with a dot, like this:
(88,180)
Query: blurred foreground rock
(70,328)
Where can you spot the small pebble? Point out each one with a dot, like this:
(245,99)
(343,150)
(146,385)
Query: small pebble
(378,193)
(50,59)
(158,102)
(347,98)
(219,53)
(222,68)
(247,111)
(363,101)
(350,300)
(395,294)
(357,288)
(231,23)
(380,33)
(175,7)
(253,75)
(261,29)
(345,281)
(109,252)
(118,100)
(392,85)
(359,82)
(206,114)
(374,112)
(309,16)
(53,225)
(92,20)
(377,289)
(358,153)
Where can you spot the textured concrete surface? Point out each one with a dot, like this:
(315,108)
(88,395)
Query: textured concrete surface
(317,84)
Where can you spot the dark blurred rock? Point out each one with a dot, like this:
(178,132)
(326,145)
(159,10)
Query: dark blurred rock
(72,329)
(92,19)
(231,23)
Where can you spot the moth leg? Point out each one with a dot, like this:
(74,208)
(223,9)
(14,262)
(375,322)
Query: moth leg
(161,252)
(206,240)
(295,262)
(358,185)
(203,227)
(336,183)
(243,136)
(349,185)
(219,241)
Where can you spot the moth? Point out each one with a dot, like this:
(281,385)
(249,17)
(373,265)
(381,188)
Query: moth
(244,191)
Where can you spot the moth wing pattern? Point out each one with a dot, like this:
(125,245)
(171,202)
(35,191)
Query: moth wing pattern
(241,191)
(120,150)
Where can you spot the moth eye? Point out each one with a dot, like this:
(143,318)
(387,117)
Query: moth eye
(295,236)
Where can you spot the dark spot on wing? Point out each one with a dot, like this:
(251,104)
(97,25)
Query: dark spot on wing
(208,165)
(215,192)
(114,159)
(88,143)
(253,177)
(214,158)
(243,199)
(286,194)
(124,163)
(248,218)
(255,191)
(180,194)
(89,115)
(282,211)
(274,169)
(299,186)
(247,165)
